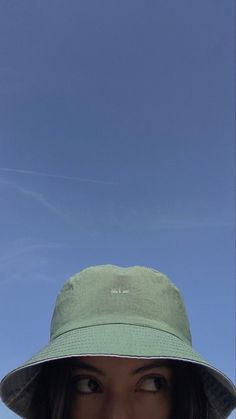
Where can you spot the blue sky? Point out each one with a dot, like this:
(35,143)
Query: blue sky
(117,146)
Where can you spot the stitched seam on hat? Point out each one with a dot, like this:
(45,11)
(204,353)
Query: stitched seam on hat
(12,399)
(130,324)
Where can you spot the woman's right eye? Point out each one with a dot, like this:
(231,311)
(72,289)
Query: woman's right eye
(84,384)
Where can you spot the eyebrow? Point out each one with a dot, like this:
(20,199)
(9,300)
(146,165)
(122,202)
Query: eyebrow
(89,367)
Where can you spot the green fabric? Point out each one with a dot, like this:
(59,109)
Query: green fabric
(108,294)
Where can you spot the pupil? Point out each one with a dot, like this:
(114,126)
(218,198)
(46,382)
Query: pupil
(158,382)
(92,385)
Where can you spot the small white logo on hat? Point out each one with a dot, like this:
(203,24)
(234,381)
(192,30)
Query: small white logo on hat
(119,291)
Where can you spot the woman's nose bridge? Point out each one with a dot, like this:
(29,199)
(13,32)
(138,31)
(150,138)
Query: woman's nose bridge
(119,406)
(119,410)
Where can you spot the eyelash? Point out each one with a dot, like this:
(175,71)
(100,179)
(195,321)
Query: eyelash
(79,378)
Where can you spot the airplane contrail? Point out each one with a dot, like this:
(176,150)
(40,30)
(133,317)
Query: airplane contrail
(55,176)
(36,196)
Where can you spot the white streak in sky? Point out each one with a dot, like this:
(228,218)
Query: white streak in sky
(25,248)
(55,176)
(36,196)
(27,260)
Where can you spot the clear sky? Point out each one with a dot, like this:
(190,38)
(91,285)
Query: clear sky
(116,146)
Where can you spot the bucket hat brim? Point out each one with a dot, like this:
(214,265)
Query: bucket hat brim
(121,340)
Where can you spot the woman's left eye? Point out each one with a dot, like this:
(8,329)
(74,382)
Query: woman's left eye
(158,383)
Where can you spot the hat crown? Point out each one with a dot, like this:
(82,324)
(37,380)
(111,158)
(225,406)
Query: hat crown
(107,294)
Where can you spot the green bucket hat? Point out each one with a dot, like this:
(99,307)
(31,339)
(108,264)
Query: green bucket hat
(114,311)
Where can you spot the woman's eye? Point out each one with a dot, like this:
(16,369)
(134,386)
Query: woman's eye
(156,383)
(85,385)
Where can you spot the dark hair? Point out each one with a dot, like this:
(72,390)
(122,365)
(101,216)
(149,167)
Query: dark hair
(53,395)
(189,400)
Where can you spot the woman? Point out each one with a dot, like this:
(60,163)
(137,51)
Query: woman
(120,348)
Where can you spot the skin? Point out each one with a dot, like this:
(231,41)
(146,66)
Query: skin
(119,394)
